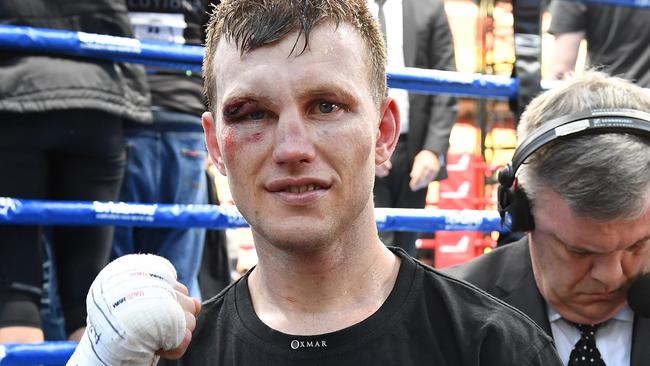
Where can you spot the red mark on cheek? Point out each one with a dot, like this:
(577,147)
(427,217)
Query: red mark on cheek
(235,139)
(254,138)
(229,143)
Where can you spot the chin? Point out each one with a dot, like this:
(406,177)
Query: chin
(597,313)
(297,239)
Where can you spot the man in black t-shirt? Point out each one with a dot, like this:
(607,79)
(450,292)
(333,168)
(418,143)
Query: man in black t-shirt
(617,39)
(298,120)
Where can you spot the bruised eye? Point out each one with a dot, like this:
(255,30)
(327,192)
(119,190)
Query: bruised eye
(257,115)
(245,111)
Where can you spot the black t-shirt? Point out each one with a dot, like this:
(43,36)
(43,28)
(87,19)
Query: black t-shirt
(617,36)
(428,319)
(34,82)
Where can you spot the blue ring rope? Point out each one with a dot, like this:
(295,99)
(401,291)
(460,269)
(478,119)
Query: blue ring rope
(190,58)
(45,353)
(80,213)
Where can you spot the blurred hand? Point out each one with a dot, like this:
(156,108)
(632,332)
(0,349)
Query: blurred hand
(191,306)
(426,166)
(383,169)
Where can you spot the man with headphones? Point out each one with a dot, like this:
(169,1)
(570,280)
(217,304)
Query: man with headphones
(579,186)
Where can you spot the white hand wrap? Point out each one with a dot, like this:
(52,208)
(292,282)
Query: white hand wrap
(132,313)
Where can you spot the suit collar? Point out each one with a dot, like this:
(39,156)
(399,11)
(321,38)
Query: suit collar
(519,287)
(640,336)
(520,291)
(409,32)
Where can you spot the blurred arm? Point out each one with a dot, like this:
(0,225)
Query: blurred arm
(565,54)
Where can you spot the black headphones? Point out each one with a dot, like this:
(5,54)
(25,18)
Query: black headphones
(513,204)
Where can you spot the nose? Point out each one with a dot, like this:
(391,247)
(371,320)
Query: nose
(293,141)
(608,270)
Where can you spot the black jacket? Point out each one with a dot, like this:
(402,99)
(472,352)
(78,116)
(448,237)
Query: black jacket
(428,44)
(39,82)
(507,274)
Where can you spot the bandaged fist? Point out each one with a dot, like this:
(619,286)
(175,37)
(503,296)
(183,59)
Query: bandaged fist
(136,308)
(191,306)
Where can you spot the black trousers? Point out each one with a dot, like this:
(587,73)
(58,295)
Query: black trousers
(393,191)
(60,155)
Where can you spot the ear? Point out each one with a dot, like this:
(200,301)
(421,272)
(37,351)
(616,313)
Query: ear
(388,131)
(211,141)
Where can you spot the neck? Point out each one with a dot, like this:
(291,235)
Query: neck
(323,290)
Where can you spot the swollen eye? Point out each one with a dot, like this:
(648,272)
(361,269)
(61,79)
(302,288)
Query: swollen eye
(257,115)
(244,111)
(231,110)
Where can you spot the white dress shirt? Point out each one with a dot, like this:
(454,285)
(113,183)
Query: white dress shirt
(613,338)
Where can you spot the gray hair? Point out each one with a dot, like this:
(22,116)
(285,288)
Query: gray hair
(602,176)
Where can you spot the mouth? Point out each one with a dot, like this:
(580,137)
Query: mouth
(602,296)
(301,189)
(299,192)
(297,185)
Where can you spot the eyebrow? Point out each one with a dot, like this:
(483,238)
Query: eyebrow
(321,91)
(325,91)
(587,251)
(645,238)
(245,96)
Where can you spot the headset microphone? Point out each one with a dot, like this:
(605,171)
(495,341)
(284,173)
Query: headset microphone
(638,296)
(513,205)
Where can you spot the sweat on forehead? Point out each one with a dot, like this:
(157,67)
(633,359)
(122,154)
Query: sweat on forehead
(252,23)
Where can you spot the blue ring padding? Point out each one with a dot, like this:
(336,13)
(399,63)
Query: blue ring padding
(451,82)
(36,212)
(197,68)
(45,353)
(93,45)
(643,4)
(431,220)
(191,58)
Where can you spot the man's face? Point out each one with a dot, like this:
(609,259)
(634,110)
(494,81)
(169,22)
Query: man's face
(298,136)
(583,267)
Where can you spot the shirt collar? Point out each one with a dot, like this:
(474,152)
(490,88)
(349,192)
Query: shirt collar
(625,314)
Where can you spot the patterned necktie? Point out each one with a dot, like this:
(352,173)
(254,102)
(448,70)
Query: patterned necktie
(382,18)
(585,352)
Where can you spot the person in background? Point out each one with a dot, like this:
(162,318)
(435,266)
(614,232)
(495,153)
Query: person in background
(215,271)
(417,34)
(61,138)
(166,159)
(298,121)
(617,39)
(584,201)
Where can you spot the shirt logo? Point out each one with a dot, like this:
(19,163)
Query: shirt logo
(295,344)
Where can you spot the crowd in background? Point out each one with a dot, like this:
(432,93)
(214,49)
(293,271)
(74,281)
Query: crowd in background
(81,129)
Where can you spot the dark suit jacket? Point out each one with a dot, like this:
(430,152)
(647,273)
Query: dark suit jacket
(507,274)
(428,44)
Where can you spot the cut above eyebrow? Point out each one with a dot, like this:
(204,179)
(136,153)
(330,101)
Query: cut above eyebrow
(322,92)
(246,96)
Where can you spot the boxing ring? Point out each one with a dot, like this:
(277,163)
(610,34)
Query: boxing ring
(189,58)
